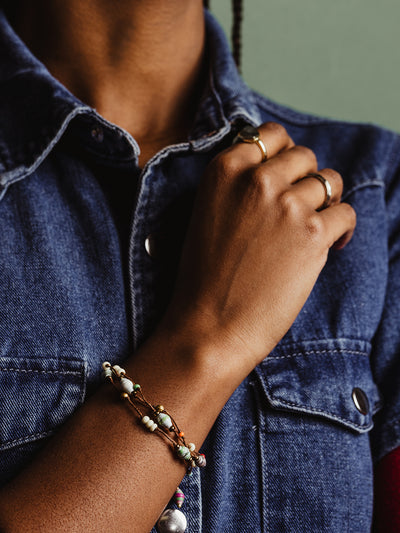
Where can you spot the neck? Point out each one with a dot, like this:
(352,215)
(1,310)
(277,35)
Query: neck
(138,63)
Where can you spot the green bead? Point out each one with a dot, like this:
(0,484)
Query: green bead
(136,386)
(164,420)
(184,452)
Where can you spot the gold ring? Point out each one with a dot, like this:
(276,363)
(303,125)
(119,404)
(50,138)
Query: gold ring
(249,134)
(327,186)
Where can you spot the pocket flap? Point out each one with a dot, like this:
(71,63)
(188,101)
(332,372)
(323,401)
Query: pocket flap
(330,378)
(36,396)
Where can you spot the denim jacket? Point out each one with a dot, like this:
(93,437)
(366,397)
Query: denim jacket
(294,447)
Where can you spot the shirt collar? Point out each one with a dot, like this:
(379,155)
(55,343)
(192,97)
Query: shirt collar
(36,109)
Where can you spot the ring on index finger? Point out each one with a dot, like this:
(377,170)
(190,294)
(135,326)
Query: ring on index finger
(251,135)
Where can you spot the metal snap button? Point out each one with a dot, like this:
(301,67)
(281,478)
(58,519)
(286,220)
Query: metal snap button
(360,401)
(150,245)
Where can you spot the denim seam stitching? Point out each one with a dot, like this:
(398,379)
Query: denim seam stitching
(322,412)
(12,176)
(24,371)
(264,481)
(25,440)
(310,352)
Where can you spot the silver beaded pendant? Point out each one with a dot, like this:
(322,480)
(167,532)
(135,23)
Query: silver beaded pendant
(172,521)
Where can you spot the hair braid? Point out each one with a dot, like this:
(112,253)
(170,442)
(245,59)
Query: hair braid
(236,35)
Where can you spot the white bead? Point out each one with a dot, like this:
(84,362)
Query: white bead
(107,373)
(145,419)
(106,364)
(191,447)
(118,370)
(149,423)
(153,427)
(126,385)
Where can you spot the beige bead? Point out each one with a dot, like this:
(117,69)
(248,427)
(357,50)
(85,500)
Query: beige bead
(119,371)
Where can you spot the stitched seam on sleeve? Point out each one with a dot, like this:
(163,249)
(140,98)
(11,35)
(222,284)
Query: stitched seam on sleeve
(25,440)
(318,352)
(322,412)
(25,371)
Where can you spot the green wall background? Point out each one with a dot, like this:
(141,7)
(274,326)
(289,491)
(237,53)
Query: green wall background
(336,58)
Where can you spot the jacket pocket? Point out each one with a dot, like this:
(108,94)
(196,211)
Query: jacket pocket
(330,379)
(316,401)
(36,396)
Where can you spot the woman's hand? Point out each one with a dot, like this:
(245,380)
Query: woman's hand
(255,246)
(253,252)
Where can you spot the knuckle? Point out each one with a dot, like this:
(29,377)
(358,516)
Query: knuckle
(308,154)
(334,178)
(277,129)
(351,215)
(225,164)
(260,182)
(314,227)
(290,204)
(332,175)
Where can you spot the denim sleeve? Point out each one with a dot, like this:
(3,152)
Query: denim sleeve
(386,346)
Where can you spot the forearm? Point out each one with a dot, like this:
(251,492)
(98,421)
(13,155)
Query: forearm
(103,471)
(252,236)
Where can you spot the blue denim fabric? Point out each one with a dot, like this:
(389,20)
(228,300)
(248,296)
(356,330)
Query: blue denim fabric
(290,452)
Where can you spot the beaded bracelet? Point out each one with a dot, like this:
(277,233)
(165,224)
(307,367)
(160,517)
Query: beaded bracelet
(158,420)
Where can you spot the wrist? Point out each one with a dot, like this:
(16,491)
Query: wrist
(230,340)
(183,377)
(197,352)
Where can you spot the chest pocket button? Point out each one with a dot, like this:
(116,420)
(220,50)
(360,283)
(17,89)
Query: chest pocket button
(360,401)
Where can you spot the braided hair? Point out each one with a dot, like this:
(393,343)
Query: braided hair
(236,34)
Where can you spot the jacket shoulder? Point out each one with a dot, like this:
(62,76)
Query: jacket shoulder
(363,153)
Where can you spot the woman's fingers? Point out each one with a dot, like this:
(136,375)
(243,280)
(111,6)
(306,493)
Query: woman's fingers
(275,138)
(339,222)
(313,192)
(254,233)
(247,154)
(287,167)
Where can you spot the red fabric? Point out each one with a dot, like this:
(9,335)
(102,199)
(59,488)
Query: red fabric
(387,494)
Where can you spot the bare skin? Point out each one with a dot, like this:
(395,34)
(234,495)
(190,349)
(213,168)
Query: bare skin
(138,63)
(231,306)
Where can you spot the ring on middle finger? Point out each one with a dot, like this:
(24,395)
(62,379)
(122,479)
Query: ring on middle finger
(251,135)
(327,186)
